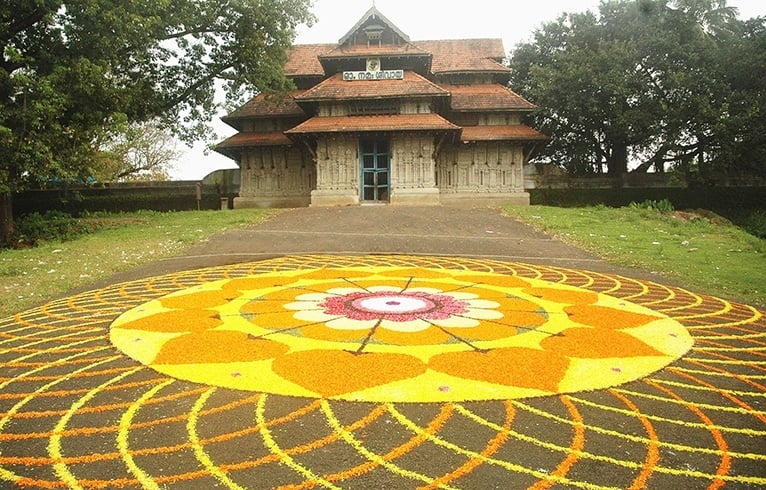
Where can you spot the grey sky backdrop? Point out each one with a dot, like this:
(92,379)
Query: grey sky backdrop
(421,20)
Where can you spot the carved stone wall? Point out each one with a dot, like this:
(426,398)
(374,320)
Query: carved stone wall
(482,170)
(412,162)
(278,176)
(337,171)
(413,170)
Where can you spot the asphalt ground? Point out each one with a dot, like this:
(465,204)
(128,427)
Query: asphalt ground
(82,407)
(484,232)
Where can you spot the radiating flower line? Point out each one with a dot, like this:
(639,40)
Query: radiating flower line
(360,311)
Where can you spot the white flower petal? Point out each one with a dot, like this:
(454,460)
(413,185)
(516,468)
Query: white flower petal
(457,322)
(482,303)
(345,323)
(417,325)
(482,314)
(302,305)
(315,297)
(313,316)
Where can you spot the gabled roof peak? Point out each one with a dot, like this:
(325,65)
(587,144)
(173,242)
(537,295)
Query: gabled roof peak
(372,21)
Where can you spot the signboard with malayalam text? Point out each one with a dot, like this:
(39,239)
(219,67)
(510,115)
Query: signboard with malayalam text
(351,76)
(373,72)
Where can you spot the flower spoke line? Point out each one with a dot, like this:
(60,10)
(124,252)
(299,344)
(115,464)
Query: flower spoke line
(356,285)
(459,338)
(285,330)
(367,339)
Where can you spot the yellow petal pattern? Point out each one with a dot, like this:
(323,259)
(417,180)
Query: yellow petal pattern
(377,333)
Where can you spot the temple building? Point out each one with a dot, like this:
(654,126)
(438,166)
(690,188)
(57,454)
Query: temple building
(378,118)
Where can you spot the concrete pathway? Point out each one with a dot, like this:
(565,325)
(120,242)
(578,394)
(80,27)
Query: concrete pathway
(435,230)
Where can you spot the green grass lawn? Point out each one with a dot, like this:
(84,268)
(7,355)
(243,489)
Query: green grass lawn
(31,276)
(702,254)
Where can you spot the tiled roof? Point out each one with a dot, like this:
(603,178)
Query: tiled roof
(335,88)
(351,124)
(303,59)
(501,133)
(241,140)
(385,50)
(486,97)
(265,106)
(449,56)
(465,55)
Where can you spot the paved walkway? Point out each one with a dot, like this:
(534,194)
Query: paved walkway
(435,230)
(384,347)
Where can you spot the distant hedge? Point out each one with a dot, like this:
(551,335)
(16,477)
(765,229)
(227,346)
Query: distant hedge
(74,201)
(721,200)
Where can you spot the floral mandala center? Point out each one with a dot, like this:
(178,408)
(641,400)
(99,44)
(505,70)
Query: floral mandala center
(395,307)
(398,334)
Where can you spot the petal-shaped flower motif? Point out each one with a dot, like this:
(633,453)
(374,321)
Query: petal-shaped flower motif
(279,321)
(344,323)
(598,343)
(606,317)
(217,346)
(503,281)
(319,331)
(568,296)
(512,366)
(336,372)
(457,322)
(255,282)
(200,299)
(192,320)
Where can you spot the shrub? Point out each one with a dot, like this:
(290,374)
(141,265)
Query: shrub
(663,206)
(52,225)
(755,224)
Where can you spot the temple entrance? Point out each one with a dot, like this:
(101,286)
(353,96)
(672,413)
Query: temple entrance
(375,159)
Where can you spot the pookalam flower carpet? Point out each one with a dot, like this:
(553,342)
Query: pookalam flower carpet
(384,372)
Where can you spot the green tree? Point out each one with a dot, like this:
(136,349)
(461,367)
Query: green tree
(71,71)
(648,82)
(139,152)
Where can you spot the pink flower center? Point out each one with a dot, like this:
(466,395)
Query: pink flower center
(393,306)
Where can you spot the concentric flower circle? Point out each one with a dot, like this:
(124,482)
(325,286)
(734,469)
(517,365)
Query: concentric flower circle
(398,334)
(393,309)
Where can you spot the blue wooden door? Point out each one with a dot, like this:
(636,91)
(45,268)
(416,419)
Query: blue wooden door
(376,166)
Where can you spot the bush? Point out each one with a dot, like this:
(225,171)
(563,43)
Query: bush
(663,206)
(755,224)
(52,225)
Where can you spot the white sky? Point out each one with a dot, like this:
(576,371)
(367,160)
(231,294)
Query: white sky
(421,20)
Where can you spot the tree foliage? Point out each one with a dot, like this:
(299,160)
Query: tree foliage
(138,152)
(659,83)
(71,70)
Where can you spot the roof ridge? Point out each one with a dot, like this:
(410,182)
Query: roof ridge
(373,13)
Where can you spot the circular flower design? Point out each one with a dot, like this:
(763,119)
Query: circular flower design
(382,333)
(394,306)
(381,312)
